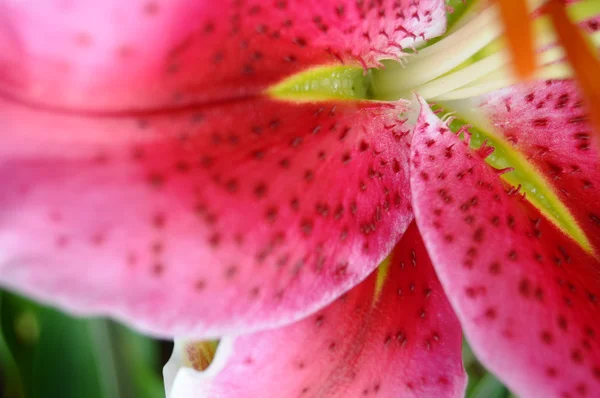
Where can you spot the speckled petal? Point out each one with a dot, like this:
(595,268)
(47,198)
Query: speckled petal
(549,123)
(403,341)
(525,293)
(226,218)
(140,54)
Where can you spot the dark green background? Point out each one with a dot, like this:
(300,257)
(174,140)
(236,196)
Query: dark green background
(46,354)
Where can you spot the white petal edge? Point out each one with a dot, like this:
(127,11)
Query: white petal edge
(181,381)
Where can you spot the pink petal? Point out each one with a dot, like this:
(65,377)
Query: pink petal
(114,55)
(526,294)
(238,216)
(548,122)
(406,343)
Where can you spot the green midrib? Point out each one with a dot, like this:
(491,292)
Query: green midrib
(538,190)
(324,83)
(382,273)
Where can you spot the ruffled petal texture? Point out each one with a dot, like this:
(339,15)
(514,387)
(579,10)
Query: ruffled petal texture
(396,340)
(549,123)
(230,218)
(525,293)
(139,54)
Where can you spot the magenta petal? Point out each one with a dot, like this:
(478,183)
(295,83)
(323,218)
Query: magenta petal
(138,54)
(405,343)
(526,294)
(549,124)
(232,217)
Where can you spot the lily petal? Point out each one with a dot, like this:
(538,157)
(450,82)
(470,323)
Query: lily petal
(550,124)
(525,293)
(232,217)
(139,54)
(398,340)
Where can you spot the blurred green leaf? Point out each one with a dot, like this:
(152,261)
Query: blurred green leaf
(10,378)
(55,355)
(488,387)
(482,384)
(468,357)
(139,359)
(52,352)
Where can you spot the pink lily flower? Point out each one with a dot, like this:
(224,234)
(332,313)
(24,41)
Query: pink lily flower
(157,171)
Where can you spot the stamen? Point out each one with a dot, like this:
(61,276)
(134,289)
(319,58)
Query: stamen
(472,60)
(441,57)
(488,74)
(518,32)
(501,79)
(582,57)
(462,77)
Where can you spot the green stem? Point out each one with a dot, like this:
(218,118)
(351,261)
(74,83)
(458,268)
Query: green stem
(103,350)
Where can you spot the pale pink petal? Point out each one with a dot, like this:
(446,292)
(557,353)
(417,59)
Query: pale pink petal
(228,218)
(404,342)
(548,122)
(526,294)
(115,55)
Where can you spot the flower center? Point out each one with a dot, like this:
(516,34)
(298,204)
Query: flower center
(472,59)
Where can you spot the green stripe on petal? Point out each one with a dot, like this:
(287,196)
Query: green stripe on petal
(537,189)
(324,83)
(382,273)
